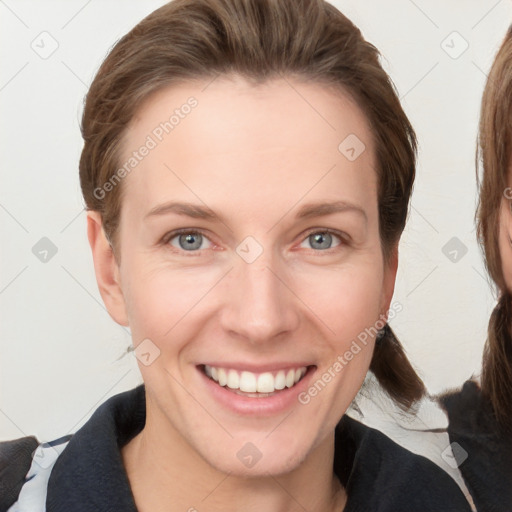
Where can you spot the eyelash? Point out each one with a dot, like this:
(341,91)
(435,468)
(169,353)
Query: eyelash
(185,231)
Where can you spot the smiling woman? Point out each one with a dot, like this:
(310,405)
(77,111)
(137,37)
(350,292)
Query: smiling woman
(250,247)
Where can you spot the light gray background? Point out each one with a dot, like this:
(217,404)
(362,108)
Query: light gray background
(59,349)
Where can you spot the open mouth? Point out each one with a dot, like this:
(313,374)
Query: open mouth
(256,385)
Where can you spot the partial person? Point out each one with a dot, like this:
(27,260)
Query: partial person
(480,414)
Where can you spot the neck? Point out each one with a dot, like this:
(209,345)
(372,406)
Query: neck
(167,475)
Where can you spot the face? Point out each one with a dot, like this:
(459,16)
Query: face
(505,237)
(249,295)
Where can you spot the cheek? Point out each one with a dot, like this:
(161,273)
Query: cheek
(348,304)
(346,299)
(161,302)
(347,307)
(505,234)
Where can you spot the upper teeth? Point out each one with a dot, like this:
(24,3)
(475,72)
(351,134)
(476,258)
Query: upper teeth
(251,382)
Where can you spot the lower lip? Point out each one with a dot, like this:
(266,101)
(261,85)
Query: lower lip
(257,406)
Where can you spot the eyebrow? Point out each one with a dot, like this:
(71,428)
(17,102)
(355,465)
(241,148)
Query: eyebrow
(306,211)
(320,209)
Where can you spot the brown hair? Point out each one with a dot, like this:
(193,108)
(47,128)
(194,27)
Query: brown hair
(259,40)
(494,153)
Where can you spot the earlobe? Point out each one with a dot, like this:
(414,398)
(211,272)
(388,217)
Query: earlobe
(106,269)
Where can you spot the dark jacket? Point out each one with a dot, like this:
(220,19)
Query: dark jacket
(487,451)
(83,472)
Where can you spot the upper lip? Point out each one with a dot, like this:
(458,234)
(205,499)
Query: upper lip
(257,368)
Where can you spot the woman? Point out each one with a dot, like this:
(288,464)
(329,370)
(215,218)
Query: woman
(224,139)
(481,413)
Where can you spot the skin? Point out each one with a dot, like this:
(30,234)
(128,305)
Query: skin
(255,155)
(505,241)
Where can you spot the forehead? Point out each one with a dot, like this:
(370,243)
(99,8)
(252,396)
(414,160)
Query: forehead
(242,141)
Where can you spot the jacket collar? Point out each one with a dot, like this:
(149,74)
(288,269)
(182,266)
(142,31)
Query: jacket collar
(377,473)
(89,474)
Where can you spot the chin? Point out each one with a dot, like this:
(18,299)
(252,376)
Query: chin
(253,456)
(268,465)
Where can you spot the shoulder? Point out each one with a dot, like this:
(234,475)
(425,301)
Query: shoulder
(381,475)
(25,466)
(15,461)
(486,461)
(67,472)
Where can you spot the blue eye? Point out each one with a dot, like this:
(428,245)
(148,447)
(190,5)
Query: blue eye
(322,240)
(188,240)
(191,241)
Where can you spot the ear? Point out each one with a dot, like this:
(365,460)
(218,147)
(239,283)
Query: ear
(389,279)
(107,269)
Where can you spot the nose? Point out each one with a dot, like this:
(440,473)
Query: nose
(260,305)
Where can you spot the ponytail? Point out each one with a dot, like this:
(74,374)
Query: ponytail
(394,371)
(497,362)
